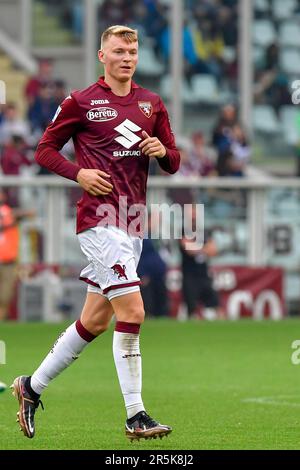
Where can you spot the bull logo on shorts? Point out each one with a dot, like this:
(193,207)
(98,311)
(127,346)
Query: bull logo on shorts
(119,271)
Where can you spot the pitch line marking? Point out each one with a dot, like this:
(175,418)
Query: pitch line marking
(273,400)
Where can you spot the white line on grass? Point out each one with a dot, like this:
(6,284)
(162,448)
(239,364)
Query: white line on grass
(276,400)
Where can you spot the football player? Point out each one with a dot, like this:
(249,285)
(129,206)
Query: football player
(116,127)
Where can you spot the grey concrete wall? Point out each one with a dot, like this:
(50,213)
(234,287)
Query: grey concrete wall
(72,71)
(10,18)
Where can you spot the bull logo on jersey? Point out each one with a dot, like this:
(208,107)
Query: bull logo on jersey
(119,271)
(146,108)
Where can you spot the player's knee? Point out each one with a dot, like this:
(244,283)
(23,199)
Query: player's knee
(135,315)
(95,328)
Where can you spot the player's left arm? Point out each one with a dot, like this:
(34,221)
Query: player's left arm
(162,144)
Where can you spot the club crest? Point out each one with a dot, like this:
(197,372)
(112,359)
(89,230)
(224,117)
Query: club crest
(146,108)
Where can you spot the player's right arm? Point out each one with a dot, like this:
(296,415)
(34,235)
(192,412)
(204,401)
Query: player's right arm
(65,124)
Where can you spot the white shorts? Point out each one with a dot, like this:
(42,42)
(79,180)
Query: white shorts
(113,258)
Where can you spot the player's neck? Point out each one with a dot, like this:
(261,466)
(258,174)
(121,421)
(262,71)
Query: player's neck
(117,87)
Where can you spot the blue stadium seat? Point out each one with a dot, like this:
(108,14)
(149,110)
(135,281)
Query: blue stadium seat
(283,9)
(205,89)
(263,32)
(288,119)
(265,120)
(148,63)
(289,34)
(290,61)
(166,90)
(262,6)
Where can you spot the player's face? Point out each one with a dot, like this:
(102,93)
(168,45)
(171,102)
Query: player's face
(120,58)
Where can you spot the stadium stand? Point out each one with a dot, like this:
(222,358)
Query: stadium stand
(211,81)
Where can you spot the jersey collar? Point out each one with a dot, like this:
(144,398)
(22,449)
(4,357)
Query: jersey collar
(103,84)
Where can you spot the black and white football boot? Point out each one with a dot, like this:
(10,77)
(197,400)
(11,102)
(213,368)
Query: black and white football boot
(27,406)
(142,426)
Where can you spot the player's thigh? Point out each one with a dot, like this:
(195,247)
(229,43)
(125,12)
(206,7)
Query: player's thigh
(129,307)
(96,313)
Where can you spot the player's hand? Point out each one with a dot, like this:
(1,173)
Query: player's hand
(94,182)
(152,146)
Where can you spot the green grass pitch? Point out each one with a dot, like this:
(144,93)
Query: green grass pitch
(220,385)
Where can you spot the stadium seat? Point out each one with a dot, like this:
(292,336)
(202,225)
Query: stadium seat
(289,33)
(288,119)
(263,32)
(166,90)
(229,54)
(290,61)
(283,9)
(205,89)
(258,55)
(261,6)
(148,63)
(265,119)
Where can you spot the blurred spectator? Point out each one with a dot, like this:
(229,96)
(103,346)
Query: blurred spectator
(14,155)
(271,57)
(187,169)
(44,76)
(209,47)
(151,16)
(273,89)
(240,149)
(271,84)
(59,92)
(139,19)
(193,63)
(222,132)
(197,286)
(152,272)
(188,166)
(233,160)
(203,156)
(74,16)
(9,249)
(113,12)
(232,144)
(1,113)
(228,21)
(225,163)
(42,109)
(12,125)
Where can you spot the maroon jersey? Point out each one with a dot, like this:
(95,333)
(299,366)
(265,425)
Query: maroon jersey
(106,130)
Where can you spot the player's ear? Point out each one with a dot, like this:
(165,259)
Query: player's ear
(101,56)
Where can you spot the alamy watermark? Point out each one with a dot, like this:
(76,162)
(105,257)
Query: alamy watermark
(158,221)
(2,352)
(296,93)
(295,357)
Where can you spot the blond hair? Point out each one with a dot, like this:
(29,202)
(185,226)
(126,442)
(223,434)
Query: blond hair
(128,34)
